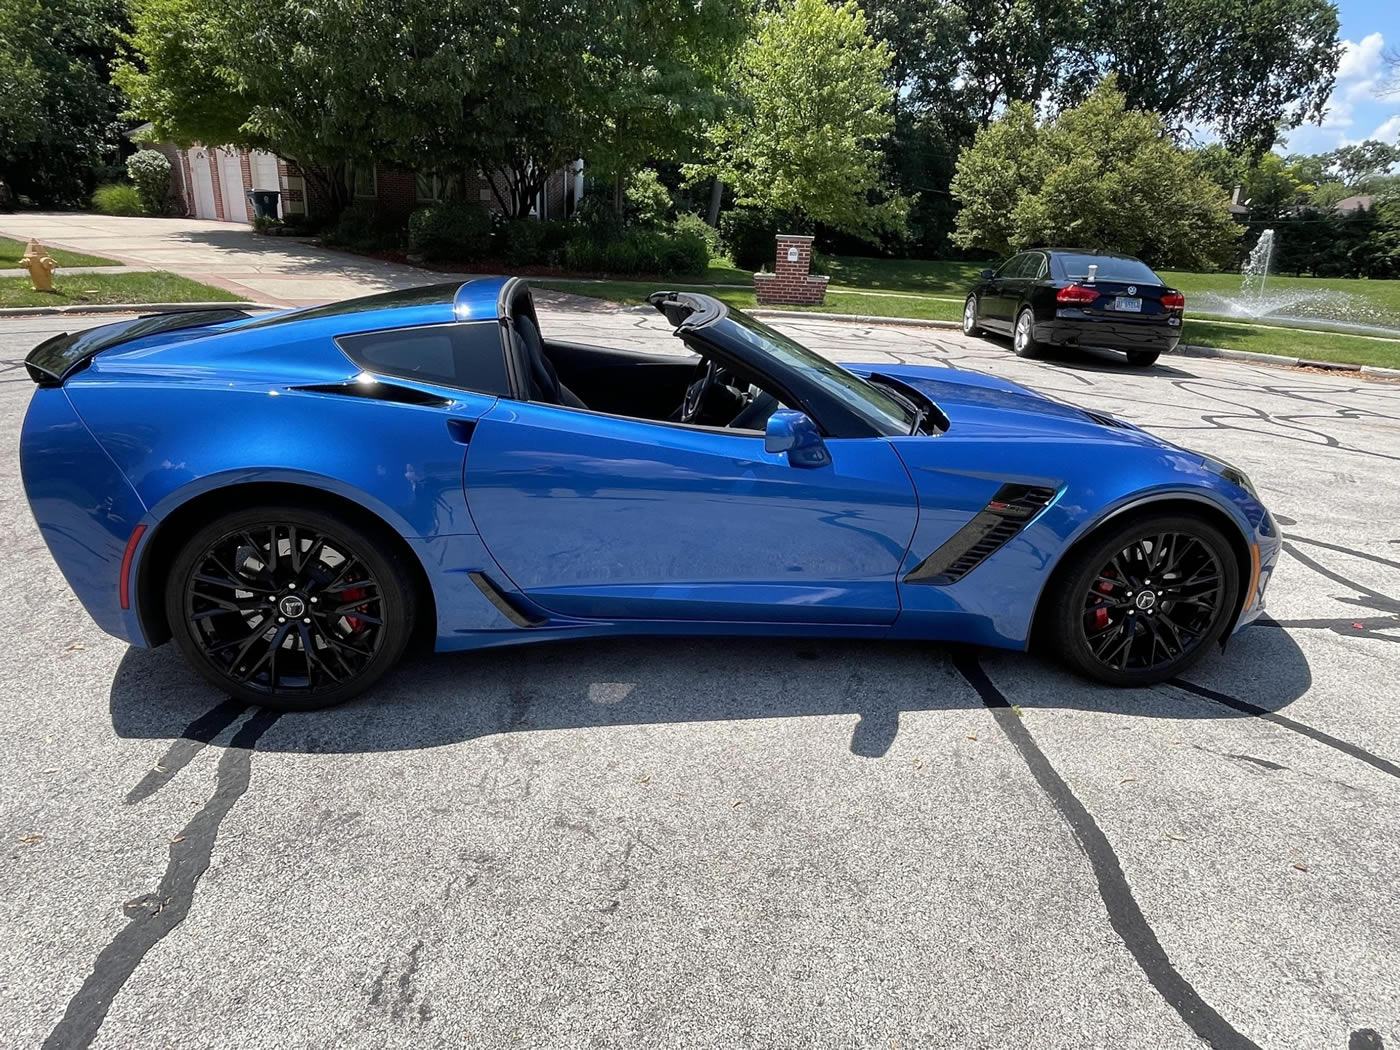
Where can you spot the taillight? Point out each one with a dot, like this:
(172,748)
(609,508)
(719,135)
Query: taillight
(1076,293)
(1174,301)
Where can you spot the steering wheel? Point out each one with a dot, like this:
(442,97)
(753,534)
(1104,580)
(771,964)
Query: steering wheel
(706,375)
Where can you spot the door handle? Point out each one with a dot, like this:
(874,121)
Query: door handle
(461,430)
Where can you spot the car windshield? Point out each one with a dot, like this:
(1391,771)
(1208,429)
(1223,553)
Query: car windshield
(881,410)
(1110,268)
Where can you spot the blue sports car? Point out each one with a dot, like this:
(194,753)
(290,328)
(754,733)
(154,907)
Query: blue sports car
(296,498)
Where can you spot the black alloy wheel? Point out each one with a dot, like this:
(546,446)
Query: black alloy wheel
(1146,600)
(288,607)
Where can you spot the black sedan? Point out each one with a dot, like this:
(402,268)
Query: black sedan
(1061,297)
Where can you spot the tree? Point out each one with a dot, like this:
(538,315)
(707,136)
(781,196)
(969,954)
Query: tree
(655,74)
(1245,71)
(59,122)
(1098,176)
(1218,164)
(814,111)
(1357,164)
(1274,185)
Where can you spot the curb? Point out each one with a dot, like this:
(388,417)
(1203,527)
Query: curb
(1288,362)
(126,308)
(903,322)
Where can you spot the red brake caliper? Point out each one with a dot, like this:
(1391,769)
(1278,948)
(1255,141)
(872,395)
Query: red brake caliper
(349,595)
(1099,615)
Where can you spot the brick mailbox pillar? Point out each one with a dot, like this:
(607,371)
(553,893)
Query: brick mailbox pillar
(792,281)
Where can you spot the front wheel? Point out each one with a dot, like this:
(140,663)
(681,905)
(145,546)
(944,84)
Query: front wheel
(969,324)
(1023,335)
(290,607)
(1143,358)
(1145,600)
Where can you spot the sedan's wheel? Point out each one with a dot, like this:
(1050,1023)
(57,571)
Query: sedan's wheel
(289,607)
(970,325)
(1144,601)
(1143,358)
(1023,336)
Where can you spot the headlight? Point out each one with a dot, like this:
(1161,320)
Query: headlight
(1234,475)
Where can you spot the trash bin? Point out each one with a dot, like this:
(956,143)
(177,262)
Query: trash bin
(264,203)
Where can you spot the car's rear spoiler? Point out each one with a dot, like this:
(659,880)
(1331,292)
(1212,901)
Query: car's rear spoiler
(54,360)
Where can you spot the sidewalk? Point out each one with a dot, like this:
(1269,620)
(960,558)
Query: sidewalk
(279,270)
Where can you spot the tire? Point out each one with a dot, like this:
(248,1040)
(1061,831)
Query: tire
(1098,618)
(1143,358)
(969,322)
(352,643)
(1023,335)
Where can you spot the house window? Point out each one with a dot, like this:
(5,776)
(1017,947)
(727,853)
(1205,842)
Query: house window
(363,182)
(436,187)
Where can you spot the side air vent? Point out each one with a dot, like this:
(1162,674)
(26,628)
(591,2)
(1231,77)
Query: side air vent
(1106,421)
(403,395)
(990,528)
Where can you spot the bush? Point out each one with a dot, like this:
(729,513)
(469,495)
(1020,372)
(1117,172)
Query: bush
(150,173)
(640,252)
(747,235)
(450,231)
(689,222)
(520,242)
(648,201)
(117,198)
(363,227)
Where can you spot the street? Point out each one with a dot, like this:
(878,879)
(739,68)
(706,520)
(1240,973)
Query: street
(720,843)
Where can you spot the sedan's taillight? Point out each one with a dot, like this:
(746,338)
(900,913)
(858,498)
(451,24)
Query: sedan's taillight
(1076,293)
(1174,301)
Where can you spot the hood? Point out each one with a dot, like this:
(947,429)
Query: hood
(974,401)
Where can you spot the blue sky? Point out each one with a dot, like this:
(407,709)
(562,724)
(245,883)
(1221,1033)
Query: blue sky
(1357,110)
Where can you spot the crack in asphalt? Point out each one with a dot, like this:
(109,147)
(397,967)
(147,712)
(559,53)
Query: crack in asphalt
(1245,707)
(156,914)
(197,735)
(1124,914)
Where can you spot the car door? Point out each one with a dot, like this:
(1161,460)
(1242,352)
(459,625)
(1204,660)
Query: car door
(605,517)
(999,298)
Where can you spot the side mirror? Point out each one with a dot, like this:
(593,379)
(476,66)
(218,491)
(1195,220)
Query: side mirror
(986,275)
(795,434)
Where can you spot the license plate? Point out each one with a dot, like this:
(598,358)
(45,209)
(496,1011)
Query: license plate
(1127,306)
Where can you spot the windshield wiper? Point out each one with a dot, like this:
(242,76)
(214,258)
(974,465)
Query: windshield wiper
(918,403)
(919,415)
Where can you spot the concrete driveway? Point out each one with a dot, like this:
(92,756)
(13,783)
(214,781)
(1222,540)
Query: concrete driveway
(277,270)
(727,844)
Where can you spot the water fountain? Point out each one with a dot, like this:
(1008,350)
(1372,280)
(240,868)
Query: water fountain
(1293,305)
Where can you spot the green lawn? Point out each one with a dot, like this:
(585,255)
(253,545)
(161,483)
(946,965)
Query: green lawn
(1295,342)
(11,251)
(80,289)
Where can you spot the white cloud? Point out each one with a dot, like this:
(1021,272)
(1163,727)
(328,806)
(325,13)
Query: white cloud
(1363,60)
(1361,73)
(1389,131)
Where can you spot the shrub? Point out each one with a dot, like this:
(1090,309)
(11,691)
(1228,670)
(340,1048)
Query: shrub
(117,198)
(689,222)
(520,241)
(648,200)
(363,227)
(640,252)
(150,173)
(746,234)
(451,231)
(595,214)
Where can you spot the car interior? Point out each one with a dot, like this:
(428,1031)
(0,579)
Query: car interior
(693,390)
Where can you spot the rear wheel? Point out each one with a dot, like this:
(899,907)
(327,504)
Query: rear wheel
(1142,602)
(970,325)
(290,607)
(1143,358)
(1023,335)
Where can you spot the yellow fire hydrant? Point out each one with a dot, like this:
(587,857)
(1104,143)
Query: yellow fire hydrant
(40,266)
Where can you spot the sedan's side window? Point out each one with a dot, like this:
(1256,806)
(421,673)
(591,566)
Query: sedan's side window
(1034,268)
(1010,267)
(465,356)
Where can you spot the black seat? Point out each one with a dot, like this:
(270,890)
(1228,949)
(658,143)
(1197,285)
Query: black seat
(544,380)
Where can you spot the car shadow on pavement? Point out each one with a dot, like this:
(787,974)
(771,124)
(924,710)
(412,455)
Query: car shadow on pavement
(446,699)
(1093,359)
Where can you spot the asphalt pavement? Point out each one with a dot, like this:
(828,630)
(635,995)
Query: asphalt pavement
(735,844)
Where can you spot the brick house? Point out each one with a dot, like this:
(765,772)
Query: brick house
(213,183)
